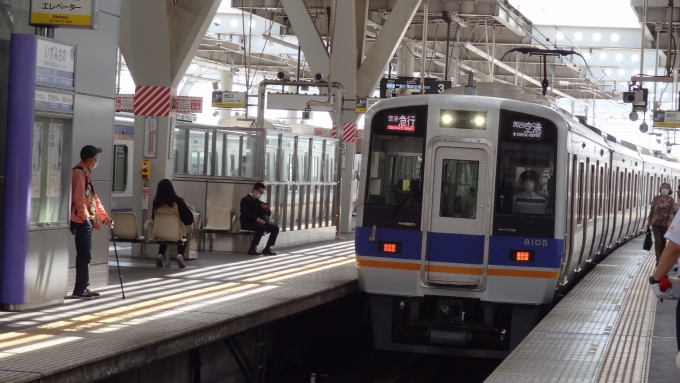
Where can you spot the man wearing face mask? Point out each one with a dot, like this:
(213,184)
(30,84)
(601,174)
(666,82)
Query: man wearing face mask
(660,216)
(86,212)
(250,220)
(529,180)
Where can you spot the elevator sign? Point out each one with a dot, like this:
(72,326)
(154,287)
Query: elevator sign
(65,13)
(229,99)
(663,119)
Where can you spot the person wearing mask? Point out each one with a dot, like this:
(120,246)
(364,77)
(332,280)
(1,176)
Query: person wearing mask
(250,209)
(529,180)
(168,202)
(660,216)
(86,212)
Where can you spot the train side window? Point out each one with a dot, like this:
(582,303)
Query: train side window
(600,193)
(629,187)
(591,197)
(635,189)
(460,181)
(619,191)
(579,197)
(120,168)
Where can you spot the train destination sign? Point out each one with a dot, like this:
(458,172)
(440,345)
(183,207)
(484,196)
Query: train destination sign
(532,130)
(401,122)
(65,13)
(229,99)
(665,119)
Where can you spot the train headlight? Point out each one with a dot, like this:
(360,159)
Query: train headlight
(479,120)
(447,119)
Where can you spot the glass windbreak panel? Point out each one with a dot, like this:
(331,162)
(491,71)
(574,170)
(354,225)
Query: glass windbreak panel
(250,158)
(330,161)
(288,148)
(395,170)
(271,155)
(50,171)
(197,152)
(232,157)
(460,180)
(303,161)
(120,162)
(220,158)
(209,151)
(317,151)
(179,164)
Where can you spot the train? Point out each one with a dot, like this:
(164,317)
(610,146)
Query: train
(476,214)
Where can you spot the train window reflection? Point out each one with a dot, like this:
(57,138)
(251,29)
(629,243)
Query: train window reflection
(395,170)
(460,181)
(526,179)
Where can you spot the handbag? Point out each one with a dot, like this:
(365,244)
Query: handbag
(648,241)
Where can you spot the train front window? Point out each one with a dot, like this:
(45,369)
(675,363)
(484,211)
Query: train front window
(395,170)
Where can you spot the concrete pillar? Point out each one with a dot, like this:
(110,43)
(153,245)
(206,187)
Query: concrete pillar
(405,59)
(226,84)
(158,40)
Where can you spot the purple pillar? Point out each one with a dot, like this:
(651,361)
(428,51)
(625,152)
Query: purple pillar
(21,101)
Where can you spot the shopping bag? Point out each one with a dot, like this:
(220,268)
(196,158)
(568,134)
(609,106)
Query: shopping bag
(648,241)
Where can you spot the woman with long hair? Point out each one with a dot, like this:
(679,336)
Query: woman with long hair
(660,216)
(168,202)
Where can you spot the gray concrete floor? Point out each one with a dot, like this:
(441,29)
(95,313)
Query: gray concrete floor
(662,367)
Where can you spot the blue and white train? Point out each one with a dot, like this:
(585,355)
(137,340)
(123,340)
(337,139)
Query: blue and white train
(459,252)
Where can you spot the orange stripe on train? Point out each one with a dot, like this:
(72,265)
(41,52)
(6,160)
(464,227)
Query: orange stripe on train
(459,270)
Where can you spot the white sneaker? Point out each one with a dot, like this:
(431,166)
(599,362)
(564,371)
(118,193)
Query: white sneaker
(159,260)
(180,261)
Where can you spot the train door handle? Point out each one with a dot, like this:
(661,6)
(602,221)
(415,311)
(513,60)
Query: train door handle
(508,230)
(372,238)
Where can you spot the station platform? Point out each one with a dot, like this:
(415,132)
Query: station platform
(609,328)
(169,311)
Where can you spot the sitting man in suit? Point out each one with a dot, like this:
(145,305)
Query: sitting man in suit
(250,209)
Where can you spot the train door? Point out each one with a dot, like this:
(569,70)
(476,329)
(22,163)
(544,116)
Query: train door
(585,205)
(574,223)
(456,241)
(604,210)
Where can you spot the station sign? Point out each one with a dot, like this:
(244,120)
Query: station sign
(665,119)
(321,132)
(184,104)
(225,99)
(65,13)
(53,101)
(185,117)
(124,102)
(365,103)
(55,63)
(432,86)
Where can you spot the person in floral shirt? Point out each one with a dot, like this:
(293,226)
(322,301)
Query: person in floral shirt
(660,216)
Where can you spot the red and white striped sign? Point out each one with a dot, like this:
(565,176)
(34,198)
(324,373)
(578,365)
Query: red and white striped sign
(349,132)
(153,101)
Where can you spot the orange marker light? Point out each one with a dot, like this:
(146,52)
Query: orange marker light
(390,247)
(522,255)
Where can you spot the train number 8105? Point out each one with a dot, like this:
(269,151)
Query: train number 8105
(535,242)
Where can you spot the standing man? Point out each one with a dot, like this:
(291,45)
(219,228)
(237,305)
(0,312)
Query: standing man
(250,207)
(86,212)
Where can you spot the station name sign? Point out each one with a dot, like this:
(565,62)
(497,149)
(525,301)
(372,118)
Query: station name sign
(229,99)
(65,13)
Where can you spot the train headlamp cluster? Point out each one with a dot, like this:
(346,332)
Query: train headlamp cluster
(462,119)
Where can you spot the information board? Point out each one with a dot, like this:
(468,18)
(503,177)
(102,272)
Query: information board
(432,86)
(666,119)
(229,99)
(184,104)
(65,13)
(53,101)
(55,64)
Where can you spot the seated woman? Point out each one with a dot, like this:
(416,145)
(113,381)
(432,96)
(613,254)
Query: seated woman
(168,202)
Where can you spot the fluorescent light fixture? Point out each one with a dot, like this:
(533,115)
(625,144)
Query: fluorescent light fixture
(559,36)
(635,57)
(578,36)
(608,71)
(253,24)
(603,56)
(618,57)
(586,55)
(615,37)
(597,37)
(233,23)
(622,72)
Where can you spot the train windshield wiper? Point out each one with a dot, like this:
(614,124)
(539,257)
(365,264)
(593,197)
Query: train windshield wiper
(519,213)
(401,203)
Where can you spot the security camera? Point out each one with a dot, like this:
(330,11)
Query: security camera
(216,113)
(283,76)
(216,85)
(644,127)
(658,140)
(320,77)
(217,22)
(669,149)
(306,115)
(633,116)
(218,44)
(633,96)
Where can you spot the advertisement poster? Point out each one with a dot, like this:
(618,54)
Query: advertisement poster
(54,160)
(36,160)
(150,137)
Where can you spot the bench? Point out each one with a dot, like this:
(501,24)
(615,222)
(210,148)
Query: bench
(221,221)
(165,231)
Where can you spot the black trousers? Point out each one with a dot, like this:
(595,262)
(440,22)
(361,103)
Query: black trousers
(163,248)
(83,232)
(259,230)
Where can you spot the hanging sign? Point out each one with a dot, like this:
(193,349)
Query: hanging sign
(55,63)
(124,102)
(184,104)
(53,101)
(65,13)
(321,132)
(364,103)
(664,119)
(229,99)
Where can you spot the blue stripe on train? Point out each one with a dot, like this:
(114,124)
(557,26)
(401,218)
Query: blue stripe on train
(461,248)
